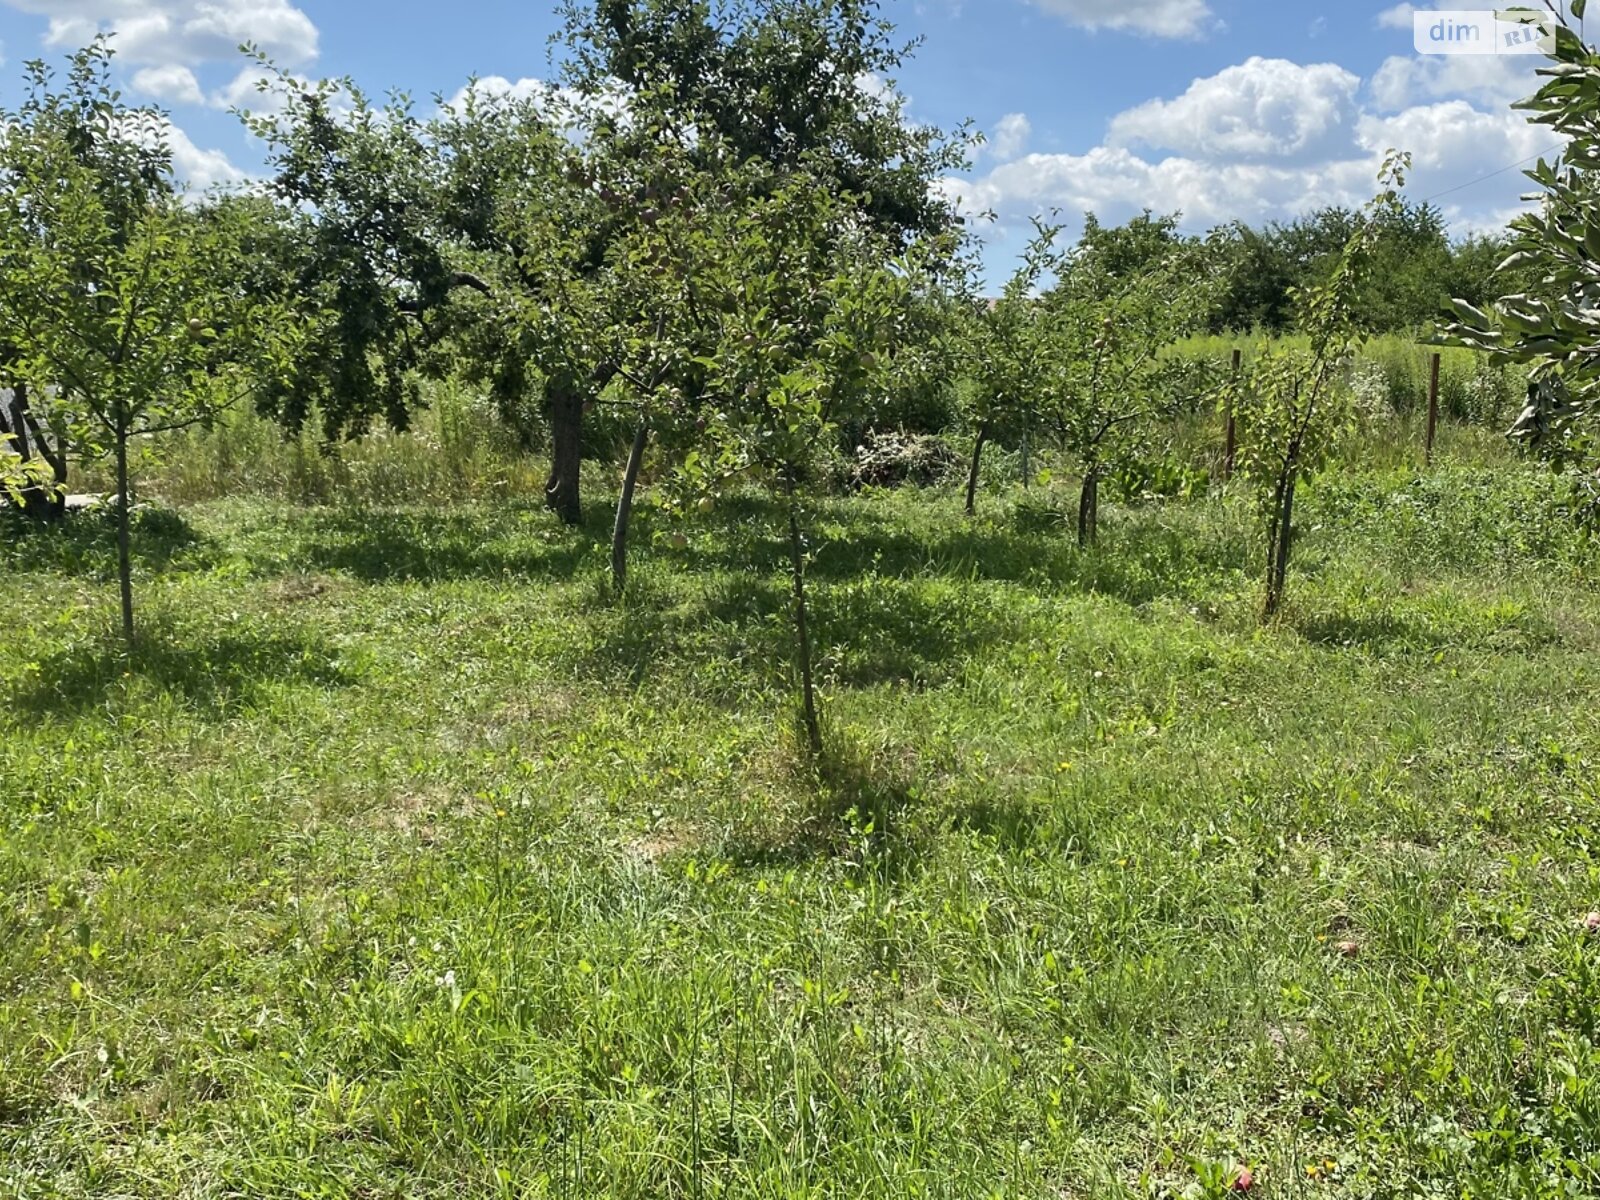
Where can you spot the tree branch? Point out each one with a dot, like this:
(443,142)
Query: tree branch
(467,279)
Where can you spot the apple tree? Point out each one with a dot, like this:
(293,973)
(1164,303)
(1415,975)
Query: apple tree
(1105,380)
(809,320)
(592,250)
(123,304)
(367,268)
(674,96)
(1295,403)
(1005,354)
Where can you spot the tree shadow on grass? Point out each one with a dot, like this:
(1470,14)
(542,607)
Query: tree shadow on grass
(387,545)
(907,631)
(624,641)
(860,542)
(85,543)
(1404,626)
(1017,821)
(20,1111)
(856,803)
(864,632)
(215,674)
(1140,558)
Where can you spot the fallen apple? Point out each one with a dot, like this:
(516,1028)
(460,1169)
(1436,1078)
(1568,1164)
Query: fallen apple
(678,542)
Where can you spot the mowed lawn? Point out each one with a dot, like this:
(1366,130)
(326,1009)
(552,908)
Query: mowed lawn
(401,861)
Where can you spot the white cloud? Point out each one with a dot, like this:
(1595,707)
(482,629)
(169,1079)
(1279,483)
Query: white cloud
(155,33)
(1155,18)
(1115,183)
(875,86)
(1011,134)
(1494,80)
(167,42)
(1398,17)
(498,85)
(170,42)
(197,168)
(245,93)
(555,103)
(70,32)
(201,169)
(1269,140)
(1263,108)
(1453,142)
(172,83)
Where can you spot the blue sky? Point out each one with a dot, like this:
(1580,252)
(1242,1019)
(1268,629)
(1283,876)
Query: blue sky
(1223,109)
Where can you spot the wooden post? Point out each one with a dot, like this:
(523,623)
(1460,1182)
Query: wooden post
(1230,453)
(1433,407)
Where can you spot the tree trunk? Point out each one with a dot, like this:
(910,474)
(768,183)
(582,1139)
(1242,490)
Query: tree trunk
(1282,540)
(124,550)
(564,407)
(7,440)
(1274,521)
(797,562)
(1089,508)
(18,434)
(41,502)
(972,477)
(619,533)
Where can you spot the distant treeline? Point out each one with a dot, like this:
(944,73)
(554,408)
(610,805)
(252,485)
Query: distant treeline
(1418,268)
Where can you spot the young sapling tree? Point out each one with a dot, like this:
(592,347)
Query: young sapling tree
(1105,381)
(125,302)
(810,316)
(1295,403)
(1005,356)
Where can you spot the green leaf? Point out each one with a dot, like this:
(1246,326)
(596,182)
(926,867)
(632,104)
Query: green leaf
(1472,315)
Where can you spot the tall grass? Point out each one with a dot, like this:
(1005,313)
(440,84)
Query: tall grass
(457,449)
(1391,375)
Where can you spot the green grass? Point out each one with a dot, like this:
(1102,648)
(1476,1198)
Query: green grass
(401,861)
